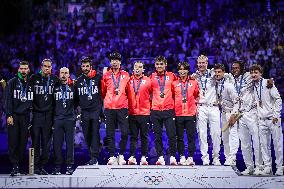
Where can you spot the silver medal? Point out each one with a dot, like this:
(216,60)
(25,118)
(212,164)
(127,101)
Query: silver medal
(116,91)
(24,99)
(90,97)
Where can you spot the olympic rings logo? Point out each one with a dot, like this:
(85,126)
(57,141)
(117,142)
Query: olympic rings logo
(156,180)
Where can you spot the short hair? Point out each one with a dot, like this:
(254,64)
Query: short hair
(46,60)
(115,56)
(64,68)
(161,59)
(219,66)
(202,58)
(138,61)
(24,63)
(184,64)
(242,65)
(256,67)
(85,60)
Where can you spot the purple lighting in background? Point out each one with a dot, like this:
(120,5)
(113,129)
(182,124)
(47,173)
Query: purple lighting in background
(64,31)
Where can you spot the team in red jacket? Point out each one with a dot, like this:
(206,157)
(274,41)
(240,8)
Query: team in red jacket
(114,85)
(162,111)
(139,91)
(186,93)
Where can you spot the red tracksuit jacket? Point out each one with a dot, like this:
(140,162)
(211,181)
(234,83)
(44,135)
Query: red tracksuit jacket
(111,100)
(189,107)
(139,104)
(159,103)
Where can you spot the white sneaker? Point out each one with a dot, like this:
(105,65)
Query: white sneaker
(173,160)
(161,161)
(279,171)
(230,161)
(112,161)
(248,171)
(132,161)
(143,161)
(121,160)
(257,170)
(206,161)
(216,161)
(182,160)
(190,161)
(266,171)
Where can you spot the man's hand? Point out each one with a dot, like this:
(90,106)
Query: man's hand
(275,120)
(232,120)
(105,70)
(194,76)
(3,83)
(270,83)
(10,120)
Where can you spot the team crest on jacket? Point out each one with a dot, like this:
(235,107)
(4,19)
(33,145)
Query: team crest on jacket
(189,84)
(142,81)
(167,77)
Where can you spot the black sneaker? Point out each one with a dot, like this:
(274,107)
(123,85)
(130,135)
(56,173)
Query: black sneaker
(56,171)
(37,172)
(15,171)
(92,161)
(23,172)
(43,171)
(69,170)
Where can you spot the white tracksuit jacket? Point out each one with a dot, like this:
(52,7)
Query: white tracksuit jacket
(269,108)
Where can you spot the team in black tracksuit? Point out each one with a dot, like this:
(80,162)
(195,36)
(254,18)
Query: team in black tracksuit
(64,124)
(18,103)
(88,91)
(42,118)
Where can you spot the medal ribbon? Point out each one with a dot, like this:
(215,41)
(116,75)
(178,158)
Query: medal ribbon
(23,89)
(219,93)
(88,87)
(116,84)
(203,84)
(162,85)
(238,88)
(47,85)
(138,87)
(64,93)
(260,90)
(183,90)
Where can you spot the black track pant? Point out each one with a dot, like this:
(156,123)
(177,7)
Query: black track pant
(139,124)
(159,119)
(17,138)
(189,124)
(113,117)
(91,130)
(63,129)
(41,135)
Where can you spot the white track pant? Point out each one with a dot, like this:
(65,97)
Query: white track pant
(230,137)
(266,129)
(209,114)
(249,133)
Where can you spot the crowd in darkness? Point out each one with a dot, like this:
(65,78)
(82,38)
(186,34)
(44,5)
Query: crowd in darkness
(178,29)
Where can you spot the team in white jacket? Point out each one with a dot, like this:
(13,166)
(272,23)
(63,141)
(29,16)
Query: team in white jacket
(246,94)
(269,105)
(248,127)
